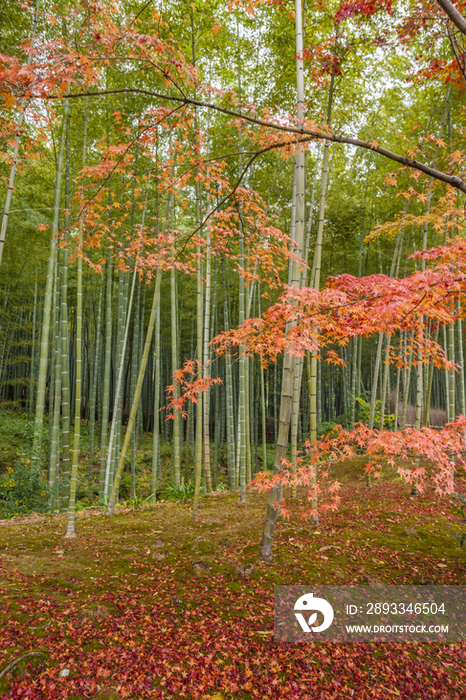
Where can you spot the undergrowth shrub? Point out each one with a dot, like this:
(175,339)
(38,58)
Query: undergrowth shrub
(170,491)
(22,489)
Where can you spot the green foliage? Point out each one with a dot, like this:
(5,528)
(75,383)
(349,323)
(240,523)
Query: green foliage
(364,410)
(325,428)
(22,489)
(125,485)
(136,502)
(178,492)
(16,434)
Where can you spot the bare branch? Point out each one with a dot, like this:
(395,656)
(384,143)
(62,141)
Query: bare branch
(455,16)
(306,134)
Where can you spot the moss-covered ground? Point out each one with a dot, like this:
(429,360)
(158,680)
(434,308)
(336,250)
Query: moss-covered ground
(148,604)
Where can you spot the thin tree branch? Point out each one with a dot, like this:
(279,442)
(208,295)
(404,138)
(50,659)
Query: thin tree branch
(232,192)
(307,134)
(18,660)
(455,16)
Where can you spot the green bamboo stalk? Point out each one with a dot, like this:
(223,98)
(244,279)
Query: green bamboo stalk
(406,382)
(119,361)
(176,461)
(317,263)
(135,362)
(70,530)
(32,370)
(298,369)
(136,399)
(64,333)
(419,396)
(55,422)
(199,410)
(205,367)
(357,342)
(93,390)
(44,345)
(19,124)
(397,398)
(53,348)
(265,551)
(230,428)
(263,400)
(248,420)
(112,443)
(385,383)
(241,448)
(106,384)
(451,373)
(157,368)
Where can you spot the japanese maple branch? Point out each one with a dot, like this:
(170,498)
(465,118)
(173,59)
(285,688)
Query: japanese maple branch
(131,143)
(306,134)
(232,192)
(414,307)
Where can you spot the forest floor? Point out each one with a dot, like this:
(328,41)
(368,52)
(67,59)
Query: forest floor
(147,604)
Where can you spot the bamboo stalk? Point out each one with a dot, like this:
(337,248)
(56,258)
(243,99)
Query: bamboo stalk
(44,344)
(19,124)
(136,399)
(265,551)
(70,530)
(106,383)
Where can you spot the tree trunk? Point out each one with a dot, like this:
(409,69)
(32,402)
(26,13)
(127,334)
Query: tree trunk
(271,515)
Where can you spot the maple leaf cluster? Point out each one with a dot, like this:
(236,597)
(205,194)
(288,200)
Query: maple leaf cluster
(362,7)
(419,456)
(306,319)
(184,388)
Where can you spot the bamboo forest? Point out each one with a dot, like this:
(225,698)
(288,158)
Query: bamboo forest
(232,378)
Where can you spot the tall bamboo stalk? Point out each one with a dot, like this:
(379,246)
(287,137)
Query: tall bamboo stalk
(32,370)
(241,449)
(93,393)
(112,443)
(451,373)
(265,551)
(176,460)
(385,383)
(136,399)
(19,124)
(70,530)
(65,359)
(316,284)
(157,369)
(55,423)
(263,401)
(135,362)
(106,382)
(230,427)
(205,364)
(44,345)
(317,263)
(199,410)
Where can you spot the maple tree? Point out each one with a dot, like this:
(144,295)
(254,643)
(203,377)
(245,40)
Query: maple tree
(169,93)
(259,174)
